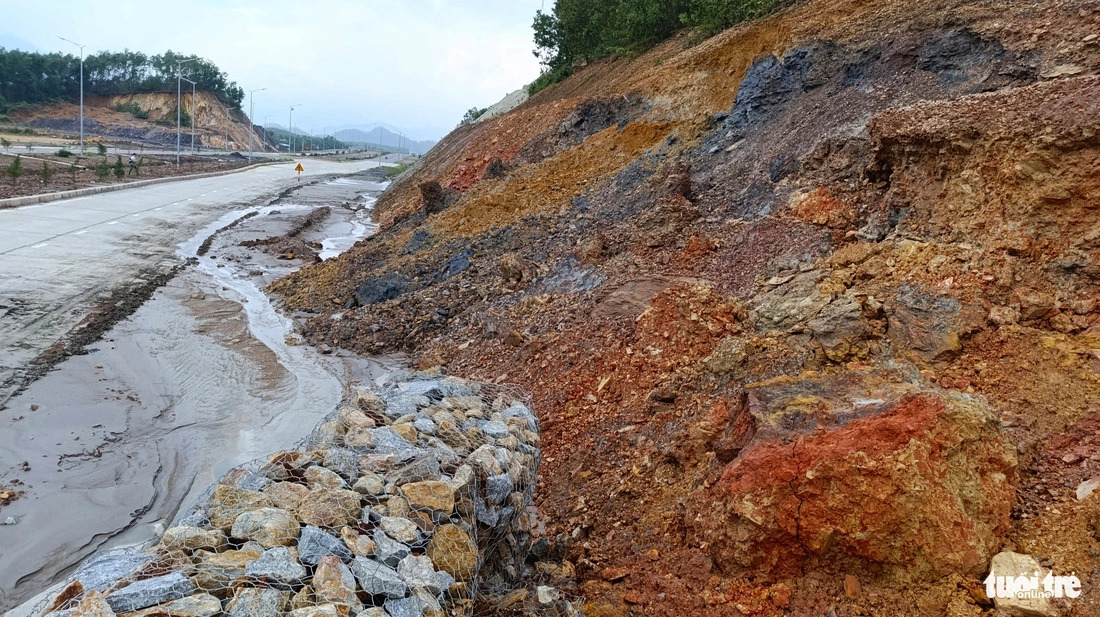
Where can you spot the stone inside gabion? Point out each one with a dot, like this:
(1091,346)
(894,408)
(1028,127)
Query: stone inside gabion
(404,502)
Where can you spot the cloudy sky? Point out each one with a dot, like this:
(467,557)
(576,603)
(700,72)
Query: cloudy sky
(417,65)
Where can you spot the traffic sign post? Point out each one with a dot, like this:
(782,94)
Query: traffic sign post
(299,169)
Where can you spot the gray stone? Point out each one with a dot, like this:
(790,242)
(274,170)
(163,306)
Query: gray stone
(492,517)
(389,551)
(343,462)
(432,389)
(150,592)
(444,580)
(387,440)
(398,405)
(106,570)
(378,579)
(497,488)
(519,410)
(401,529)
(426,468)
(313,544)
(252,602)
(277,565)
(418,571)
(405,607)
(197,518)
(494,429)
(425,425)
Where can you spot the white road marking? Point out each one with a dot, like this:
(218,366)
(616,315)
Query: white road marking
(81,232)
(38,246)
(157,208)
(135,215)
(113,223)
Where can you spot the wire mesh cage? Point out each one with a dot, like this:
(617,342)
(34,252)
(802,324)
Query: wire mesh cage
(409,500)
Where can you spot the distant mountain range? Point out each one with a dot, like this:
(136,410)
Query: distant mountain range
(380,135)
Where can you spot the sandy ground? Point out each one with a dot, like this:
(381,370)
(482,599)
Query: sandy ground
(204,376)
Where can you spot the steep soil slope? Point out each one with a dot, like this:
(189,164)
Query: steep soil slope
(809,311)
(212,119)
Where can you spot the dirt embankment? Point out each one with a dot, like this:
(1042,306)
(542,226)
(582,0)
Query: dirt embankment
(811,311)
(214,121)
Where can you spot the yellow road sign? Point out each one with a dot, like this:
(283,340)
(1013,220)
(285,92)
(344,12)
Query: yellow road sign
(299,168)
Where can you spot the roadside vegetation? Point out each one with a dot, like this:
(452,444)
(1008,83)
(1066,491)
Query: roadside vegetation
(580,30)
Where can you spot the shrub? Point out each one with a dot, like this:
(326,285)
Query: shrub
(15,170)
(101,148)
(131,108)
(46,173)
(102,170)
(5,143)
(549,78)
(118,168)
(63,153)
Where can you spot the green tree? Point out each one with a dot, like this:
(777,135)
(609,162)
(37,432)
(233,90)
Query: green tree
(119,168)
(27,77)
(101,148)
(472,115)
(46,173)
(585,29)
(6,144)
(102,170)
(15,169)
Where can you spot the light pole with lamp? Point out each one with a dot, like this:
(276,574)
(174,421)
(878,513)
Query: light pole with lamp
(81,91)
(192,114)
(290,129)
(251,127)
(179,102)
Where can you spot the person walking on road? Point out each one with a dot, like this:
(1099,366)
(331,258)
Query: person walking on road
(133,164)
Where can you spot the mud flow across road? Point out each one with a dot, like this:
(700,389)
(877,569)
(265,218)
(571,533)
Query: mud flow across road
(203,376)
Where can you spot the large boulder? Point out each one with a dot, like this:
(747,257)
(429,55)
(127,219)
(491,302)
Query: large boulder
(149,592)
(862,471)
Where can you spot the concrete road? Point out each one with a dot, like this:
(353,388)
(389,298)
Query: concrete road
(59,260)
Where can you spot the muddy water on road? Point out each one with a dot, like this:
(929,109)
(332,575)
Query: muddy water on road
(203,377)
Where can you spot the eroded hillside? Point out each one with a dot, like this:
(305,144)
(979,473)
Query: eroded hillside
(104,116)
(809,310)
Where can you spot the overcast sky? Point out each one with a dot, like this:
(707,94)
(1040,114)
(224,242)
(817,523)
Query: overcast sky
(417,64)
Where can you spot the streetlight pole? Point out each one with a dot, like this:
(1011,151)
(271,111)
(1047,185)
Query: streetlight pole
(179,102)
(192,114)
(251,127)
(290,129)
(81,91)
